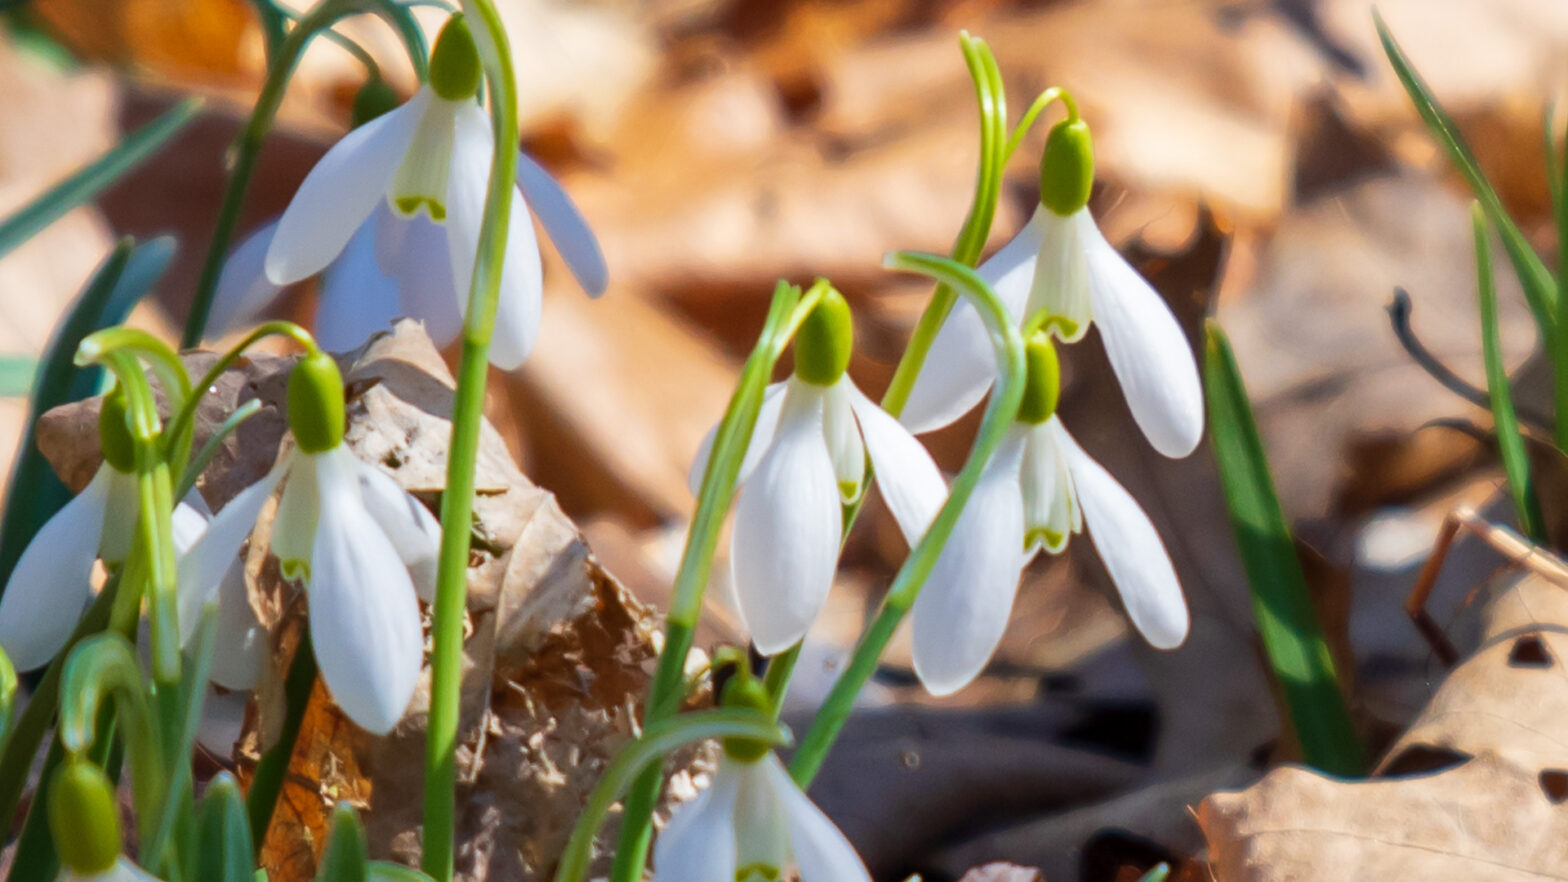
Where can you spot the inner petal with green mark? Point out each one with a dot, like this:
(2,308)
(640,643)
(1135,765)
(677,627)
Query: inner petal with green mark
(421,180)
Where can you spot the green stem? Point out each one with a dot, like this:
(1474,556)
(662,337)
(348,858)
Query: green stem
(922,559)
(647,752)
(691,580)
(182,426)
(457,501)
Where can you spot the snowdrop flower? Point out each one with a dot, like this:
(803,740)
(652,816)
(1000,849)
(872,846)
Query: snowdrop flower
(1060,265)
(806,460)
(84,819)
(1039,488)
(392,215)
(753,823)
(364,549)
(52,580)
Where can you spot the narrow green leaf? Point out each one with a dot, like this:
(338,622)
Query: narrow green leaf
(1539,287)
(1292,637)
(385,871)
(1510,444)
(345,859)
(16,375)
(1557,168)
(35,493)
(224,854)
(92,180)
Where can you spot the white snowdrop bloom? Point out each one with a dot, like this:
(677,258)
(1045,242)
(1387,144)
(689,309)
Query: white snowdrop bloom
(392,214)
(122,870)
(1061,264)
(805,461)
(1039,488)
(363,548)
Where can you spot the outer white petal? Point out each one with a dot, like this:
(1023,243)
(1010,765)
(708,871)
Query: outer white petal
(522,284)
(357,298)
(189,522)
(564,224)
(784,543)
(241,641)
(299,516)
(1146,346)
(52,579)
(414,252)
(906,476)
(820,848)
(222,721)
(1131,549)
(340,192)
(122,871)
(843,436)
(414,532)
(1061,280)
(364,619)
(961,365)
(243,287)
(762,840)
(761,439)
(121,510)
(961,613)
(203,567)
(698,845)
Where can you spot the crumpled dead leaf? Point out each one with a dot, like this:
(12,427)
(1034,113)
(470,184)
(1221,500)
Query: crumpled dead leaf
(1002,873)
(1474,789)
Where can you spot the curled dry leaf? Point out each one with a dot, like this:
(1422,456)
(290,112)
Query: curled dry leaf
(1003,873)
(1474,789)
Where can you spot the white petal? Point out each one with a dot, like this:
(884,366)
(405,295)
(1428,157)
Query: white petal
(121,511)
(564,224)
(843,437)
(762,840)
(414,531)
(241,641)
(189,522)
(761,439)
(125,871)
(364,619)
(222,721)
(1061,279)
(357,298)
(243,287)
(413,251)
(961,613)
(340,192)
(820,849)
(202,568)
(1147,348)
(517,312)
(906,476)
(1132,551)
(1051,513)
(784,543)
(299,516)
(961,364)
(52,580)
(698,844)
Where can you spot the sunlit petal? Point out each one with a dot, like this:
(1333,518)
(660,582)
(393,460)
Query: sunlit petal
(201,570)
(564,224)
(843,436)
(762,846)
(241,640)
(414,252)
(357,298)
(1132,551)
(761,439)
(698,844)
(243,287)
(340,192)
(1147,348)
(961,613)
(820,849)
(52,579)
(414,531)
(906,476)
(784,544)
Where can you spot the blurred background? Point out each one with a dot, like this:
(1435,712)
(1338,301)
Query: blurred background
(1256,158)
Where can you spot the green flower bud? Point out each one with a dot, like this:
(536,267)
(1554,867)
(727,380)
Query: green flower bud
(373,99)
(455,69)
(1067,168)
(114,433)
(84,817)
(825,341)
(744,690)
(1043,389)
(316,403)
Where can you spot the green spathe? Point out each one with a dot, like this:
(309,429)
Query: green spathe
(1043,390)
(84,818)
(746,691)
(316,403)
(455,69)
(825,341)
(373,99)
(114,433)
(1067,168)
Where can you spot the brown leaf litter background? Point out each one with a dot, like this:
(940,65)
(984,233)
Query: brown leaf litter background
(1257,160)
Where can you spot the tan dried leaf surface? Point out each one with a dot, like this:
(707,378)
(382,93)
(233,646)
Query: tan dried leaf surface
(1002,873)
(1474,789)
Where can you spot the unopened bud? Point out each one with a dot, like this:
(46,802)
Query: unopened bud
(84,818)
(114,433)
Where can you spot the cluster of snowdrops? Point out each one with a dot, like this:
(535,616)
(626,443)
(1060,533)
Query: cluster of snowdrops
(425,209)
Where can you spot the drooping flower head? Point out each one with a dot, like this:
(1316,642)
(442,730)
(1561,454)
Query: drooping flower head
(753,823)
(84,821)
(392,213)
(1060,265)
(363,549)
(807,460)
(1038,490)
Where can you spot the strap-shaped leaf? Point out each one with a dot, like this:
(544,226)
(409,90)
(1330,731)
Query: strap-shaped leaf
(16,375)
(345,859)
(224,853)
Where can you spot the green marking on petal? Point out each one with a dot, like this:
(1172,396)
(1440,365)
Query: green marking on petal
(849,491)
(1047,538)
(409,206)
(758,870)
(295,570)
